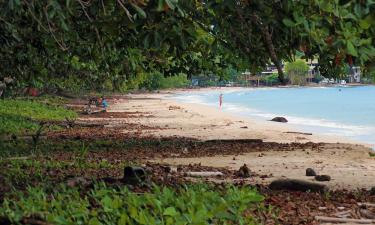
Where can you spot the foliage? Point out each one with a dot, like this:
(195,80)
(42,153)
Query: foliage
(192,204)
(20,116)
(297,72)
(272,78)
(158,81)
(298,67)
(119,44)
(97,43)
(264,31)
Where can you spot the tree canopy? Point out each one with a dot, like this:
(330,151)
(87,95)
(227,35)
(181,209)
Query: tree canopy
(124,42)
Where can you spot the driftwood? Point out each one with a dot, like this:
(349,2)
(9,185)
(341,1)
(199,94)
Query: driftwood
(367,213)
(366,204)
(343,220)
(293,132)
(204,174)
(297,185)
(244,141)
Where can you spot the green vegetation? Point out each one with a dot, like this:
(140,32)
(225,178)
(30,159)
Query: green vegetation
(22,116)
(122,45)
(272,79)
(158,81)
(297,72)
(192,204)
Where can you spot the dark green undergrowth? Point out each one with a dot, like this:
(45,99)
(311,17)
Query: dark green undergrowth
(189,204)
(19,147)
(21,116)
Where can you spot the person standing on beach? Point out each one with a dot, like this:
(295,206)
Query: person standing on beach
(220,100)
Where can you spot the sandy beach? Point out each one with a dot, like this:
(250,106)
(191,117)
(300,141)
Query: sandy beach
(347,162)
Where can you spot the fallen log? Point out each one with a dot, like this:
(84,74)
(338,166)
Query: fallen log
(343,220)
(203,174)
(367,213)
(244,141)
(297,185)
(366,204)
(293,132)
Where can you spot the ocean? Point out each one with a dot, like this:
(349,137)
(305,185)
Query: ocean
(344,111)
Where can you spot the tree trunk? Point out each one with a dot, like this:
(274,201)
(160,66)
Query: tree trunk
(272,52)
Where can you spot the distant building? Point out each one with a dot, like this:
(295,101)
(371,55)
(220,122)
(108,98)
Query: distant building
(251,79)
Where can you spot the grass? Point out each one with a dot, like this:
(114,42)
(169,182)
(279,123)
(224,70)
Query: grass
(21,116)
(190,204)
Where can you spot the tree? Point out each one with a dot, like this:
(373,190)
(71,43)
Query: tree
(59,42)
(297,72)
(272,31)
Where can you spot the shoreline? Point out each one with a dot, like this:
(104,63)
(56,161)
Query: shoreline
(259,121)
(348,163)
(322,133)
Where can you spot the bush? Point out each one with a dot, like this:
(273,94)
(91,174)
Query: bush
(157,80)
(193,204)
(177,81)
(297,72)
(272,78)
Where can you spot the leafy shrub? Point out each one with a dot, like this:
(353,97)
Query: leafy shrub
(297,72)
(18,116)
(193,204)
(177,81)
(157,80)
(272,78)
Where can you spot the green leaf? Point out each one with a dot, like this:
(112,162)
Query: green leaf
(140,11)
(172,4)
(351,49)
(170,211)
(288,22)
(94,221)
(364,24)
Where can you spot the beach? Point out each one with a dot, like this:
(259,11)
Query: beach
(349,163)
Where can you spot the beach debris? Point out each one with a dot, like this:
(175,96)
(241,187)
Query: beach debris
(167,169)
(244,127)
(366,204)
(367,213)
(244,171)
(322,178)
(293,132)
(174,107)
(372,191)
(343,220)
(77,181)
(310,172)
(297,185)
(280,119)
(185,151)
(203,174)
(134,175)
(343,214)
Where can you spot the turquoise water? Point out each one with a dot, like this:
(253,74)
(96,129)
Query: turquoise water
(344,111)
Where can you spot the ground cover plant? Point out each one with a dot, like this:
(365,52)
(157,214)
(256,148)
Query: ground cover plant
(189,204)
(21,116)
